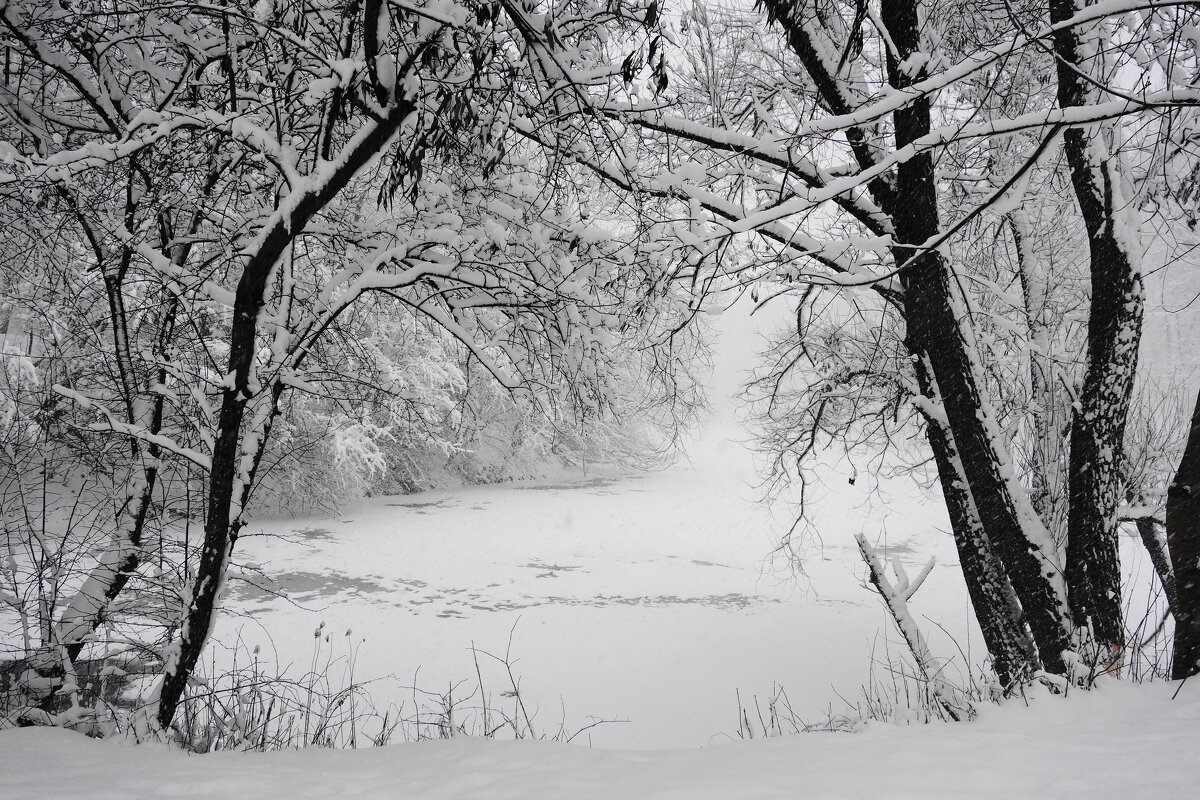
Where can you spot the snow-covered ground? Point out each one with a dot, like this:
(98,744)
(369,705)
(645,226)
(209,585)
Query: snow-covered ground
(653,599)
(1122,741)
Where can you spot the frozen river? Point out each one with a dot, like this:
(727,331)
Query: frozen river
(650,598)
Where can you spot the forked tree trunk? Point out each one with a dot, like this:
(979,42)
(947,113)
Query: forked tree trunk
(1114,332)
(1183,540)
(935,331)
(896,596)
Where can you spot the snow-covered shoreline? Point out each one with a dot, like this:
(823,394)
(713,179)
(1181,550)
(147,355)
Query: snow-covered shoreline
(1120,740)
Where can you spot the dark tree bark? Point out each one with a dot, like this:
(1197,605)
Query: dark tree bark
(223,520)
(992,597)
(1183,540)
(991,528)
(1156,546)
(1114,331)
(935,331)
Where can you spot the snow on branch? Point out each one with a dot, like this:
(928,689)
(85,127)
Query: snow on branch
(896,596)
(949,134)
(115,425)
(895,99)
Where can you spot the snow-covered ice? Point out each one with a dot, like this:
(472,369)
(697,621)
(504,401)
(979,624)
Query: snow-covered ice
(652,598)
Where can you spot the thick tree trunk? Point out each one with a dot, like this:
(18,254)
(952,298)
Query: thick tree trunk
(1098,435)
(935,330)
(1183,540)
(992,597)
(1114,332)
(980,460)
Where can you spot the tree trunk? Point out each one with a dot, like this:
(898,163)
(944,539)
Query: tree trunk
(221,525)
(121,560)
(1183,540)
(228,469)
(936,331)
(1156,546)
(992,597)
(1114,332)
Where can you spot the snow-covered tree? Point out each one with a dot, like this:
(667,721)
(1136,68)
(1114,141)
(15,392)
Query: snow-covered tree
(243,202)
(854,149)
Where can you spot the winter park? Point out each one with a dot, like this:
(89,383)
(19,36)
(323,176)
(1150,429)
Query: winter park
(599,399)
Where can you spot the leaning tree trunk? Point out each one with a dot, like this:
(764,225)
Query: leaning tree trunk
(1156,545)
(228,471)
(1114,332)
(932,313)
(1183,540)
(117,564)
(222,523)
(895,597)
(113,570)
(992,597)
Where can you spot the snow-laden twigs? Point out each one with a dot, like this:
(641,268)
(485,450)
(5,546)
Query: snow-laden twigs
(139,432)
